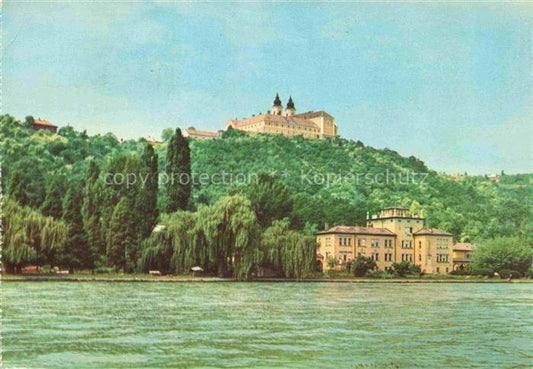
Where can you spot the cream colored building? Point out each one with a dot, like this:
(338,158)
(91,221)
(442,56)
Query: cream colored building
(199,135)
(286,122)
(347,243)
(392,236)
(462,255)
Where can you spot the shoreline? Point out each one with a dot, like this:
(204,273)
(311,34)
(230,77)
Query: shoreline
(263,280)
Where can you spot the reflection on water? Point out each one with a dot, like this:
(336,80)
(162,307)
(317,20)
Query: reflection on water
(278,325)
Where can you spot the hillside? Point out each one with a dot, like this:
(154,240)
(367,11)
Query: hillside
(335,182)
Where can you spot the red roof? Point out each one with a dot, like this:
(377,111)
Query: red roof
(359,230)
(46,123)
(431,232)
(462,247)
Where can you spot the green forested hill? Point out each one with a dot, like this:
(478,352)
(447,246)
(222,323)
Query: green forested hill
(335,182)
(470,207)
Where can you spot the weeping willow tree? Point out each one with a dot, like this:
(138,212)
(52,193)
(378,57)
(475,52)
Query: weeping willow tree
(290,253)
(29,237)
(222,239)
(232,235)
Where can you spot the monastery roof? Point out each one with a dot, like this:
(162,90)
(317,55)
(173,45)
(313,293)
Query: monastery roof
(431,232)
(359,230)
(462,247)
(194,132)
(42,122)
(274,118)
(314,114)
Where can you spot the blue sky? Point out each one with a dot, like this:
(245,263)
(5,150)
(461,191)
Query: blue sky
(449,83)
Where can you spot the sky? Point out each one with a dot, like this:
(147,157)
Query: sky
(449,83)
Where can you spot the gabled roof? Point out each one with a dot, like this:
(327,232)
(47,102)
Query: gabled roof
(314,114)
(431,232)
(275,119)
(42,122)
(462,247)
(359,230)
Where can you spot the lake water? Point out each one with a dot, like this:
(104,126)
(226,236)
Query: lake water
(266,325)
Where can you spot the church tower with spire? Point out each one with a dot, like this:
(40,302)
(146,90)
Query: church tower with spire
(290,109)
(277,107)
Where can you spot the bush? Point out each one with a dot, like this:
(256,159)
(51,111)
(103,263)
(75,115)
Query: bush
(375,274)
(104,270)
(404,268)
(332,263)
(362,265)
(505,273)
(465,271)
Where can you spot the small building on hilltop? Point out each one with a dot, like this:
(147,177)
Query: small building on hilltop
(199,135)
(286,122)
(152,140)
(392,236)
(44,124)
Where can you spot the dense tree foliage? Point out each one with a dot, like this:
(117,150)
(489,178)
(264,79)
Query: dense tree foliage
(146,201)
(178,170)
(271,200)
(233,226)
(76,253)
(226,239)
(29,237)
(503,255)
(291,253)
(121,246)
(53,202)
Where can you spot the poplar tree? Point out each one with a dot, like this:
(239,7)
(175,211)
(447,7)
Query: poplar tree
(178,170)
(76,253)
(53,202)
(146,200)
(92,203)
(121,235)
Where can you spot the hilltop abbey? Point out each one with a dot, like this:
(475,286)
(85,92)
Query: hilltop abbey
(286,122)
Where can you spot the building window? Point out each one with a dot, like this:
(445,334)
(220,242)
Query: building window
(419,257)
(406,244)
(375,256)
(361,242)
(375,243)
(407,257)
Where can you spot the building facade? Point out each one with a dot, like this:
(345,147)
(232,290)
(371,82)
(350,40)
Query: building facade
(462,255)
(286,122)
(392,236)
